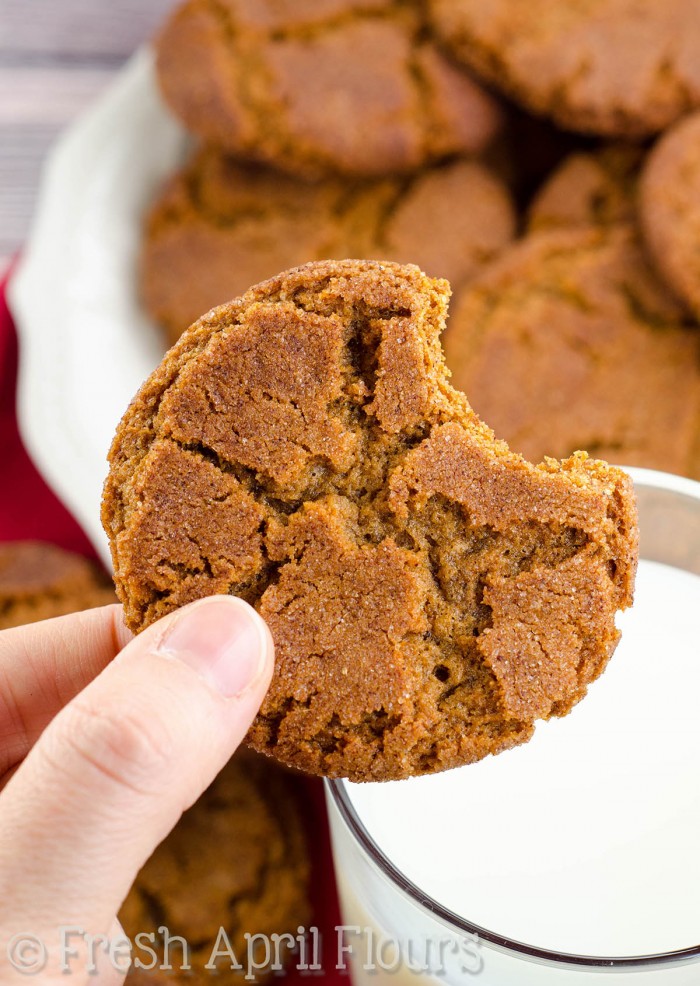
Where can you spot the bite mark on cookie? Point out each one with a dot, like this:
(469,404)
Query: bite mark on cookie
(343,487)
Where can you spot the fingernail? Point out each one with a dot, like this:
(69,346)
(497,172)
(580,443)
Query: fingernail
(222,639)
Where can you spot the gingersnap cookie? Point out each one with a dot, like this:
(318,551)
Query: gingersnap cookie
(430,593)
(589,188)
(39,581)
(221,225)
(569,341)
(623,68)
(356,87)
(237,860)
(670,209)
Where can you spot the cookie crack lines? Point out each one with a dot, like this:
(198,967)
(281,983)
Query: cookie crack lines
(602,332)
(388,209)
(616,67)
(259,71)
(212,210)
(327,23)
(410,567)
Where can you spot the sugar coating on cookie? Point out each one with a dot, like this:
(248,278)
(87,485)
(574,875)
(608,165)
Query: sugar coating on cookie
(570,341)
(237,859)
(338,86)
(39,581)
(430,593)
(670,209)
(220,226)
(589,188)
(610,67)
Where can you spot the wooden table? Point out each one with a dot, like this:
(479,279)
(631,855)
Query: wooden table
(56,56)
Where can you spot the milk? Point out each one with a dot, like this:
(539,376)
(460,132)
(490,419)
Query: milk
(585,840)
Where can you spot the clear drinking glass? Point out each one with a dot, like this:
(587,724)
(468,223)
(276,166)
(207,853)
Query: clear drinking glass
(398,933)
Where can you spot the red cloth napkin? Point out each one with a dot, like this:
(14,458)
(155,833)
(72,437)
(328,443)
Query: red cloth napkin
(29,509)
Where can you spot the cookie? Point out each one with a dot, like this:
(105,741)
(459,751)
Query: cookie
(589,188)
(354,87)
(221,225)
(670,209)
(238,859)
(39,581)
(430,593)
(569,341)
(624,68)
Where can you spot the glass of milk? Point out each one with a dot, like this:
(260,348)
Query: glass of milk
(568,860)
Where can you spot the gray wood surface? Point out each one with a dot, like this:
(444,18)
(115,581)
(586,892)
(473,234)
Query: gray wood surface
(56,56)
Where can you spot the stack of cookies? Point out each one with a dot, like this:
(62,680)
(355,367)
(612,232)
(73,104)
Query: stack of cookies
(435,133)
(328,130)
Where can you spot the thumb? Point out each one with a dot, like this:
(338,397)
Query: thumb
(111,774)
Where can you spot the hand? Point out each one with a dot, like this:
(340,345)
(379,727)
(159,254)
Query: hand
(105,740)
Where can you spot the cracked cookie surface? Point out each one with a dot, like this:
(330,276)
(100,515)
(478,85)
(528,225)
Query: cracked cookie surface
(589,188)
(237,859)
(221,226)
(339,86)
(39,581)
(611,67)
(569,341)
(670,209)
(430,593)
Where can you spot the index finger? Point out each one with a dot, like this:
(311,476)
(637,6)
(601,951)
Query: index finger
(44,665)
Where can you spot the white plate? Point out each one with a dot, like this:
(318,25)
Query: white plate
(86,345)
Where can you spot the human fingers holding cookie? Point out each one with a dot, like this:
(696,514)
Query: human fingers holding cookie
(105,740)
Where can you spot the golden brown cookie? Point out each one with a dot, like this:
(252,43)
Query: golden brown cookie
(356,87)
(609,67)
(238,859)
(569,341)
(39,581)
(221,225)
(589,188)
(670,209)
(430,593)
